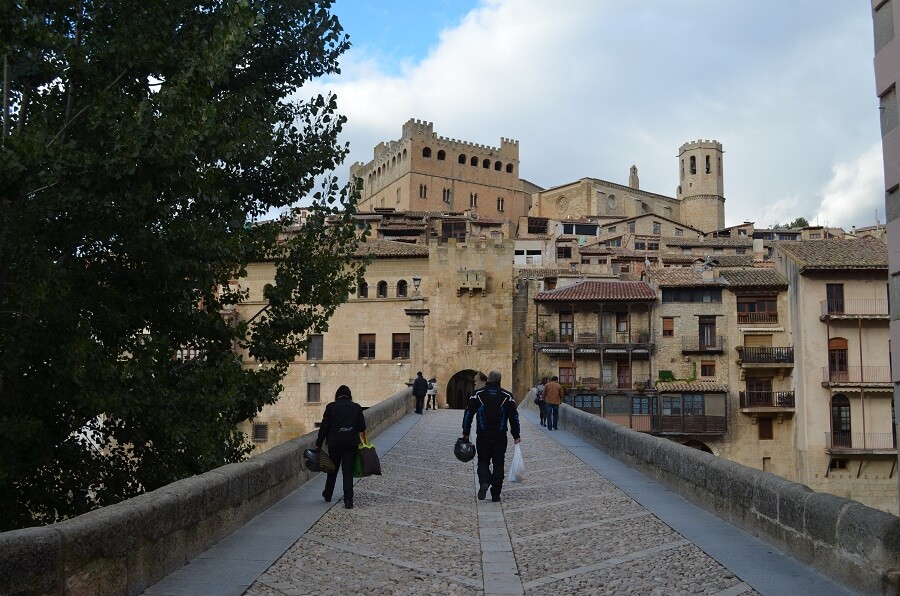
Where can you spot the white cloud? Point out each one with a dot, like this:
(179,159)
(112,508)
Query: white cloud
(855,193)
(590,87)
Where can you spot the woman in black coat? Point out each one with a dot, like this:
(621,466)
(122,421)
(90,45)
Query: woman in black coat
(342,426)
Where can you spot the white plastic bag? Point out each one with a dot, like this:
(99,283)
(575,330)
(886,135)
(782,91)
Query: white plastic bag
(517,467)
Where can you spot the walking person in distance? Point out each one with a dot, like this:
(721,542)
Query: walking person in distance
(420,388)
(553,394)
(493,408)
(342,426)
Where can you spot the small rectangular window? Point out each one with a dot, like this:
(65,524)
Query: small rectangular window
(631,227)
(313,394)
(611,230)
(423,191)
(657,227)
(679,232)
(563,252)
(500,204)
(668,329)
(640,245)
(400,346)
(473,199)
(707,368)
(366,346)
(837,464)
(314,350)
(260,432)
(765,429)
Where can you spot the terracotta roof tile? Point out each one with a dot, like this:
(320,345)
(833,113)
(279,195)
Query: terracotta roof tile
(588,291)
(811,255)
(683,277)
(750,278)
(390,249)
(539,272)
(707,242)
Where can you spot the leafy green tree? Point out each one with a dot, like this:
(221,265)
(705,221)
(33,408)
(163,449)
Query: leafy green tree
(800,222)
(140,139)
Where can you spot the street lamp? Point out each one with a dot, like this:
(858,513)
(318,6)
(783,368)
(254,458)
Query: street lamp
(416,281)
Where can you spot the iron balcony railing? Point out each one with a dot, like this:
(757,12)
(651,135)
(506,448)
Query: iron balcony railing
(767,355)
(767,399)
(855,307)
(703,344)
(850,441)
(857,374)
(757,317)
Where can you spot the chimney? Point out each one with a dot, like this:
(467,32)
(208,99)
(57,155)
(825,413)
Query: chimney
(758,250)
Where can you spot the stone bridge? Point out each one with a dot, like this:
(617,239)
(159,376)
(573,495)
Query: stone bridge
(602,510)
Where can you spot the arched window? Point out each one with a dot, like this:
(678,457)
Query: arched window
(442,155)
(470,338)
(473,161)
(363,290)
(509,168)
(381,292)
(462,158)
(498,166)
(426,152)
(708,167)
(394,161)
(840,421)
(486,164)
(693,165)
(404,155)
(401,288)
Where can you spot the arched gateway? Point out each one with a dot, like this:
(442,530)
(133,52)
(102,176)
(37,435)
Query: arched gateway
(459,388)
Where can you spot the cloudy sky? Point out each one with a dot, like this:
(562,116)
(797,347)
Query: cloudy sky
(589,87)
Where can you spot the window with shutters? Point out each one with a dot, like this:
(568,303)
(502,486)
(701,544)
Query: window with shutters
(668,326)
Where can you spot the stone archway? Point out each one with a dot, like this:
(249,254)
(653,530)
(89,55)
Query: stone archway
(459,388)
(695,444)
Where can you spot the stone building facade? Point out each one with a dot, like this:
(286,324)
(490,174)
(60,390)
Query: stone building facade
(425,172)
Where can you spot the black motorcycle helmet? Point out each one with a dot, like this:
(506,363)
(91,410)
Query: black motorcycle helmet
(464,450)
(311,460)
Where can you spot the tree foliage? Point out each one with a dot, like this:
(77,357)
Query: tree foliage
(139,140)
(800,222)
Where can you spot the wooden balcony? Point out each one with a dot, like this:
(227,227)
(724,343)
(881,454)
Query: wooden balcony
(757,318)
(616,345)
(766,357)
(855,308)
(702,345)
(857,376)
(766,401)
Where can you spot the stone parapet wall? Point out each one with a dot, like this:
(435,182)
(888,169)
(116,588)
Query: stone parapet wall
(127,547)
(856,545)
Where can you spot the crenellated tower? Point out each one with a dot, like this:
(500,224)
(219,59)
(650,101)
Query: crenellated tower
(701,187)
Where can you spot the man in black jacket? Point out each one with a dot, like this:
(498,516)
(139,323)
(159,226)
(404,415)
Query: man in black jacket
(420,388)
(492,407)
(342,426)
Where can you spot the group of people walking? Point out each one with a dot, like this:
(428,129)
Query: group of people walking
(491,408)
(549,396)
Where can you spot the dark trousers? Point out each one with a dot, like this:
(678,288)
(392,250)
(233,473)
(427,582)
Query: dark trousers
(552,416)
(491,448)
(343,456)
(420,403)
(542,409)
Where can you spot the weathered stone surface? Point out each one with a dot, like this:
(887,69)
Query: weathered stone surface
(30,560)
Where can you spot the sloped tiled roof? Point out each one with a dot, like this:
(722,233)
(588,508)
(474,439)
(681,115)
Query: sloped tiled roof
(589,291)
(684,277)
(691,387)
(813,255)
(734,260)
(754,278)
(390,249)
(707,242)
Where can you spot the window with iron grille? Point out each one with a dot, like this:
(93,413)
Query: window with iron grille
(400,346)
(366,346)
(537,226)
(668,328)
(313,393)
(260,432)
(315,349)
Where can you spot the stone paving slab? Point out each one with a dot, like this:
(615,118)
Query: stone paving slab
(567,529)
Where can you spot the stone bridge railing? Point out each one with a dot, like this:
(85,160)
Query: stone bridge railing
(856,545)
(127,547)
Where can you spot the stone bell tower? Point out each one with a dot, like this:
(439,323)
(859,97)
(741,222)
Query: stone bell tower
(701,185)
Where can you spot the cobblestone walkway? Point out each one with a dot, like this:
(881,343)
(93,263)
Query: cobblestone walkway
(419,529)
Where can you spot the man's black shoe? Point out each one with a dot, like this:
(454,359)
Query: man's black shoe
(326,496)
(496,499)
(482,491)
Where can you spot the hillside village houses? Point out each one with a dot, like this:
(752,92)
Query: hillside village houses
(766,347)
